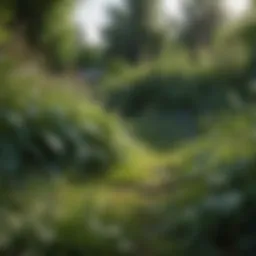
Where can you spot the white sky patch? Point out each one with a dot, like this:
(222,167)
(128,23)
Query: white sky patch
(237,7)
(91,15)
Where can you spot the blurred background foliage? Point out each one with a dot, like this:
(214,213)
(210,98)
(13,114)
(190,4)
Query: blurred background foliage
(142,145)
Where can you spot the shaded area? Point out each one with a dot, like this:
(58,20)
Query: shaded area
(168,109)
(165,130)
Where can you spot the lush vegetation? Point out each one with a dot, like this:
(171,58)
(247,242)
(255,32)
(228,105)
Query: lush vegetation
(158,158)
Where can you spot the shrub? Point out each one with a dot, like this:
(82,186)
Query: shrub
(197,91)
(214,213)
(44,127)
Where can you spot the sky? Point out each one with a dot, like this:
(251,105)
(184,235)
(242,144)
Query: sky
(91,15)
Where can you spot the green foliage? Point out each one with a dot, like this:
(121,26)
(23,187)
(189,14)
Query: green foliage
(46,25)
(196,198)
(202,19)
(195,92)
(5,17)
(89,57)
(214,213)
(58,35)
(43,128)
(208,196)
(134,34)
(43,223)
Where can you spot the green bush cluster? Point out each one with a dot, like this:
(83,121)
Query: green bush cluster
(49,139)
(41,231)
(213,213)
(194,92)
(44,128)
(217,79)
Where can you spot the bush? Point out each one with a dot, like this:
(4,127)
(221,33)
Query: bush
(210,206)
(197,91)
(214,213)
(48,128)
(58,218)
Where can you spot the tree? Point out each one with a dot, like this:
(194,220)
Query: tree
(59,37)
(5,17)
(46,25)
(202,18)
(134,33)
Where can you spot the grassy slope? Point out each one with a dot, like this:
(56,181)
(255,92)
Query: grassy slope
(117,201)
(142,181)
